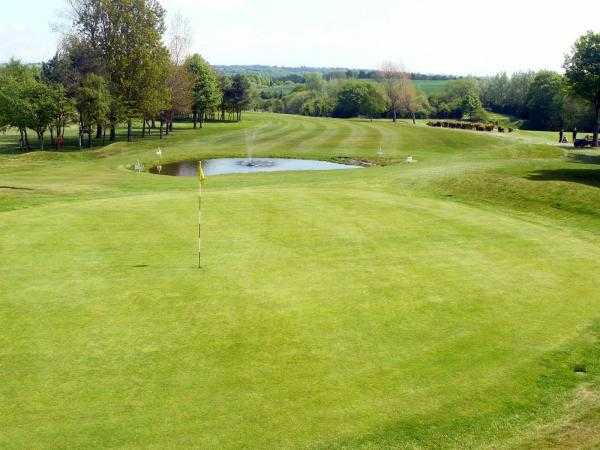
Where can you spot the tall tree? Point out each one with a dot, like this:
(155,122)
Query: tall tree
(238,95)
(225,86)
(124,38)
(583,73)
(545,101)
(392,77)
(40,101)
(93,104)
(180,85)
(180,39)
(206,89)
(356,98)
(409,99)
(15,107)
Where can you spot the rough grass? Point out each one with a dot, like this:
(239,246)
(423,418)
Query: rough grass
(438,304)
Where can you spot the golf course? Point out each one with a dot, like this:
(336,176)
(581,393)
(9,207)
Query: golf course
(451,301)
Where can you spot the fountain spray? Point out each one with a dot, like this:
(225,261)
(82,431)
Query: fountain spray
(250,138)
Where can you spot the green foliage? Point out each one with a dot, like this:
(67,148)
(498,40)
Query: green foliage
(583,67)
(206,91)
(460,99)
(124,43)
(238,94)
(354,98)
(315,83)
(42,104)
(93,101)
(545,101)
(583,73)
(507,95)
(28,102)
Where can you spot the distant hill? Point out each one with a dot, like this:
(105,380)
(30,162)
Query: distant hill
(275,71)
(291,72)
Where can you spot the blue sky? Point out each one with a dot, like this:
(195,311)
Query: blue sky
(459,36)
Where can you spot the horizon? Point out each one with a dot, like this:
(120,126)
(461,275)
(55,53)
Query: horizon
(341,34)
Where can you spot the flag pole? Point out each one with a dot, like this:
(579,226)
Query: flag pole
(200,180)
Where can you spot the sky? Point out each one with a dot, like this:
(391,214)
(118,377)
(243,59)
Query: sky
(458,37)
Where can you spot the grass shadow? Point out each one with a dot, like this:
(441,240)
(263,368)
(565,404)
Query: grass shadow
(584,158)
(589,177)
(16,188)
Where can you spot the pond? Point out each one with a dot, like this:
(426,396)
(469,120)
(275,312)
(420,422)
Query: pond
(224,166)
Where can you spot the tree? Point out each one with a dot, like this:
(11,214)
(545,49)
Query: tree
(373,103)
(460,99)
(356,98)
(545,101)
(225,86)
(583,73)
(238,95)
(180,39)
(495,92)
(39,102)
(15,108)
(315,83)
(93,104)
(408,99)
(206,90)
(516,97)
(124,41)
(392,78)
(180,85)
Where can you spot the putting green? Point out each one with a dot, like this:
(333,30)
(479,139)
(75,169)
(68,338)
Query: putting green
(444,303)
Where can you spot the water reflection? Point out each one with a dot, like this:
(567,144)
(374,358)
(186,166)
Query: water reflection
(224,166)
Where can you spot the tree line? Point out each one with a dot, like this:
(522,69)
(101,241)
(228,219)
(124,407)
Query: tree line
(390,91)
(112,68)
(543,100)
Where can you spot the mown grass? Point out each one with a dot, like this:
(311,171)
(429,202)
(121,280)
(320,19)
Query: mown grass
(443,303)
(431,86)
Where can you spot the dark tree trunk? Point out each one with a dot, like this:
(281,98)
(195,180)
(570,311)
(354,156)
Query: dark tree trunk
(113,133)
(27,144)
(129,130)
(596,126)
(394,116)
(414,119)
(195,119)
(21,140)
(98,131)
(41,140)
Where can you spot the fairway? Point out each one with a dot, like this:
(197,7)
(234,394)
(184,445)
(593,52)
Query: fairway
(451,302)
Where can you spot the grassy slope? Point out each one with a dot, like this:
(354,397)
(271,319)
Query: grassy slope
(442,303)
(431,86)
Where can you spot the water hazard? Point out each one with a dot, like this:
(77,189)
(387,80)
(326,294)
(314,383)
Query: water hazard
(224,166)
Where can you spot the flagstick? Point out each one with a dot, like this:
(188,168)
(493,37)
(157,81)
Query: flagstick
(199,214)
